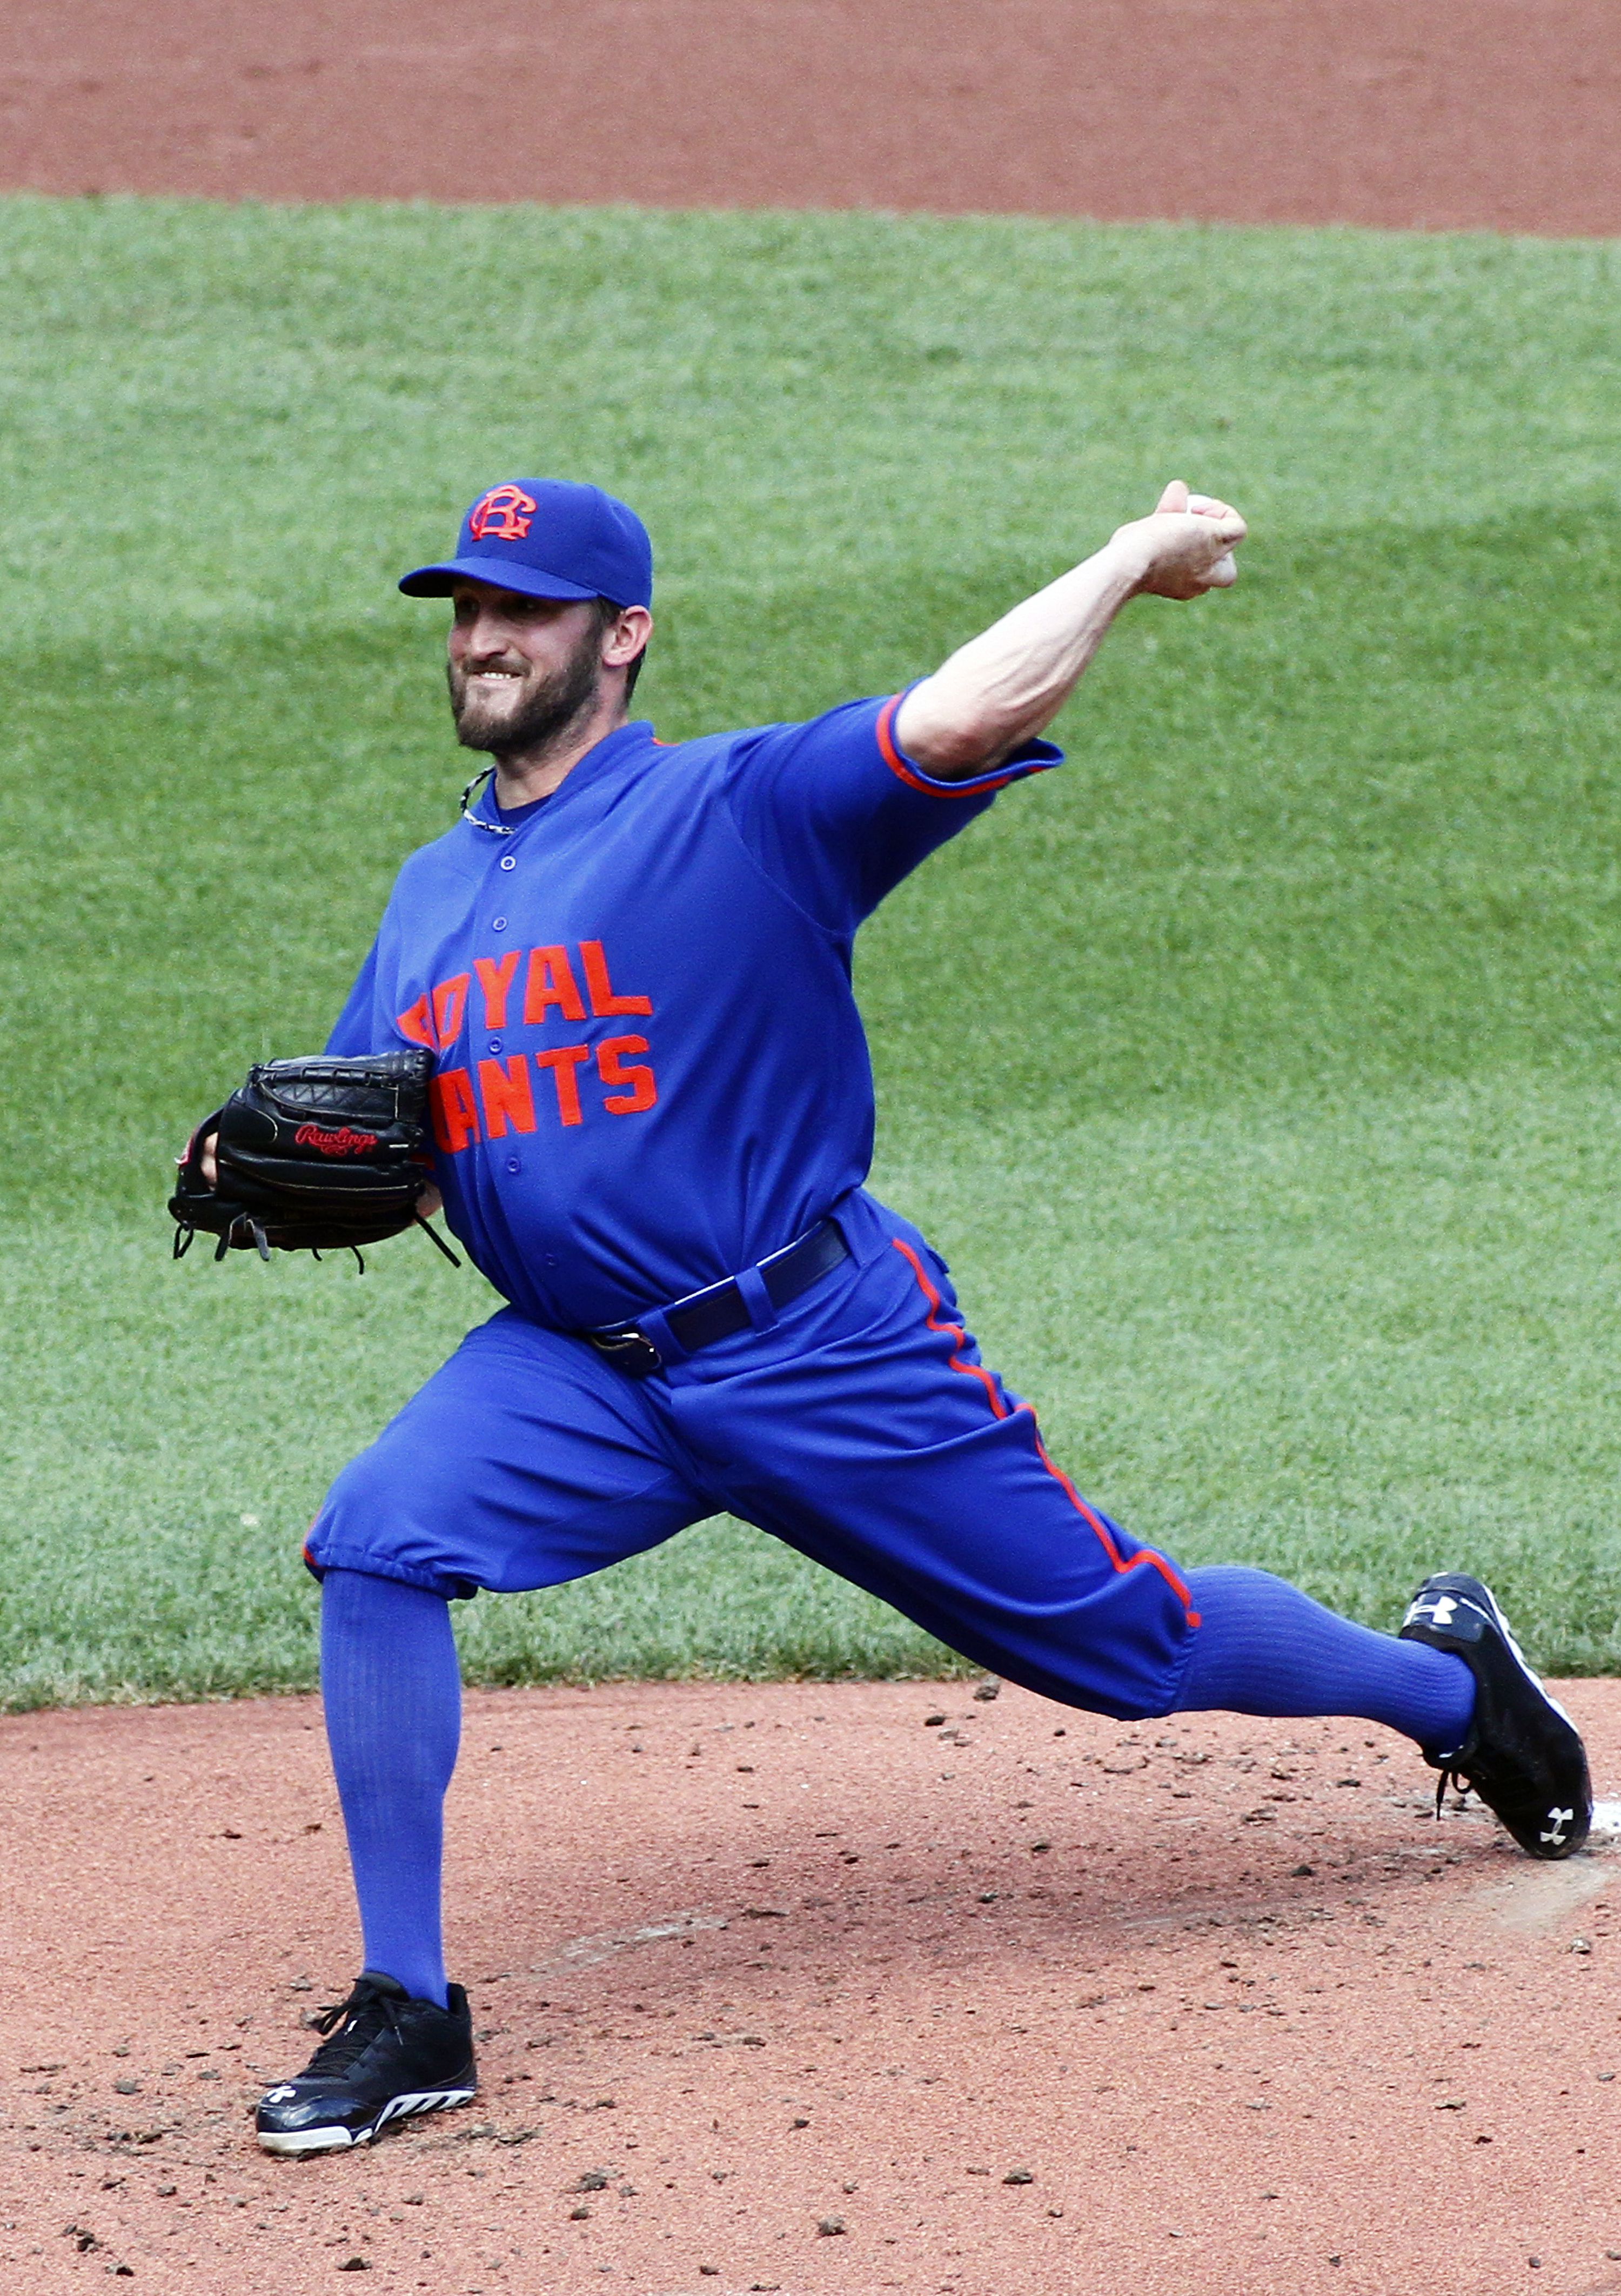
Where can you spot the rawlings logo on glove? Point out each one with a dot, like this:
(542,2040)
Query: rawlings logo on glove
(286,1181)
(341,1143)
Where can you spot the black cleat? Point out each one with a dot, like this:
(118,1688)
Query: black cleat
(389,2056)
(1522,1755)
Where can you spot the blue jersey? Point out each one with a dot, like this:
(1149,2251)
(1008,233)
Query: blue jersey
(650,1067)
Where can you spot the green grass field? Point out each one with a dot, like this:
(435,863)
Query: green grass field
(1257,1073)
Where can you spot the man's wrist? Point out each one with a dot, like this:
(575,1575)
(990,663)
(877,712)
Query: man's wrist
(1128,558)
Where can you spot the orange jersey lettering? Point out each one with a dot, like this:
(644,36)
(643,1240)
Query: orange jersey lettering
(417,1023)
(496,980)
(506,1094)
(550,982)
(449,1003)
(643,1091)
(455,1119)
(604,1004)
(564,1062)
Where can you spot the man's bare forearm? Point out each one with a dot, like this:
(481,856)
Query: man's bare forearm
(1003,687)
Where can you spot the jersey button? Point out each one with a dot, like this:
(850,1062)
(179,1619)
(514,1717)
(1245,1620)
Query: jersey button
(497,924)
(509,860)
(513,1164)
(494,1044)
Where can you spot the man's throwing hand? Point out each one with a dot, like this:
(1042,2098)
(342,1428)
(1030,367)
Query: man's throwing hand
(1186,546)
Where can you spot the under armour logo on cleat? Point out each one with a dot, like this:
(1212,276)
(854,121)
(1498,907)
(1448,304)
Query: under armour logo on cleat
(278,2096)
(1439,1612)
(1558,1819)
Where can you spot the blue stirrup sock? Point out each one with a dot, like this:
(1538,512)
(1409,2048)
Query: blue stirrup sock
(1263,1647)
(392,1689)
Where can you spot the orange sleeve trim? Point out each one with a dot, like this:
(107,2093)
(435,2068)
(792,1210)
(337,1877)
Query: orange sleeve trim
(1145,1557)
(908,773)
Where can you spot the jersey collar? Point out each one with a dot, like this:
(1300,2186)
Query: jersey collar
(480,809)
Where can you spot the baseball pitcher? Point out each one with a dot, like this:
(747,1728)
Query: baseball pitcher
(614,1001)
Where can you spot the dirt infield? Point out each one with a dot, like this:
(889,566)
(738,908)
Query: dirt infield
(1494,115)
(788,1988)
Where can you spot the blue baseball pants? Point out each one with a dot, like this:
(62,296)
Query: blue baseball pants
(860,1428)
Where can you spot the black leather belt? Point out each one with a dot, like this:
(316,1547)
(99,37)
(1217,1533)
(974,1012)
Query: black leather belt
(702,1317)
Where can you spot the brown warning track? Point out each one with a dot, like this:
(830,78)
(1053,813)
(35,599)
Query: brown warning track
(1026,2002)
(1495,115)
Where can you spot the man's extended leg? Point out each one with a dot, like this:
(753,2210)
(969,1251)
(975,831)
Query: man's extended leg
(1263,1647)
(896,1456)
(392,1691)
(524,1461)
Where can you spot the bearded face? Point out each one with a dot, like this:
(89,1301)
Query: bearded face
(510,703)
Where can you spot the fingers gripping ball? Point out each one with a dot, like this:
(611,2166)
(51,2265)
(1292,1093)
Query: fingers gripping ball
(313,1155)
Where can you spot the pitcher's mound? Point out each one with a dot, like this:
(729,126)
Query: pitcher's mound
(825,1991)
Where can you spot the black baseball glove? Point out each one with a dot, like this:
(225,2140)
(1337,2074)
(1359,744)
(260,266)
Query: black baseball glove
(314,1155)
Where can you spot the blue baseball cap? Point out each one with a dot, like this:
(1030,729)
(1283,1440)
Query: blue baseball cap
(548,538)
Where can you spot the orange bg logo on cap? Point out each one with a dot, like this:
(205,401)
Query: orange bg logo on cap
(503,513)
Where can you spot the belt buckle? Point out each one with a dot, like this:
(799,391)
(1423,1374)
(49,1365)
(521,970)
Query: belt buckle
(628,1351)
